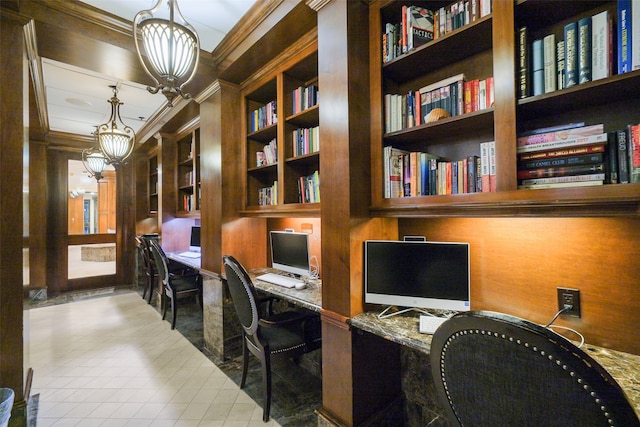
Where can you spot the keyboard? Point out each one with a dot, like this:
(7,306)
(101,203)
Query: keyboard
(429,324)
(189,254)
(280,280)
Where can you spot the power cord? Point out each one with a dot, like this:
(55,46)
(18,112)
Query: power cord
(551,328)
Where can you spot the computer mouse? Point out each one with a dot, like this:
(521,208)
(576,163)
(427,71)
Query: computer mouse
(302,285)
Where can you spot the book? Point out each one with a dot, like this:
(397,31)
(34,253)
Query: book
(492,166)
(623,157)
(600,45)
(560,185)
(612,157)
(537,64)
(562,152)
(635,36)
(420,26)
(563,126)
(584,50)
(624,36)
(484,168)
(549,55)
(560,171)
(562,134)
(583,159)
(634,152)
(571,142)
(569,178)
(523,63)
(571,54)
(560,67)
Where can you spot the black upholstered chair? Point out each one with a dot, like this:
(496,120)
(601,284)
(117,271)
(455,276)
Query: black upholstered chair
(142,245)
(492,369)
(288,333)
(174,286)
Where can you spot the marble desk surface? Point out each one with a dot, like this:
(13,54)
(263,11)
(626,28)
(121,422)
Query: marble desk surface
(309,298)
(403,329)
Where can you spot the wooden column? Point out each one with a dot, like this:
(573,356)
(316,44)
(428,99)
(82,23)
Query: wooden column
(354,377)
(13,140)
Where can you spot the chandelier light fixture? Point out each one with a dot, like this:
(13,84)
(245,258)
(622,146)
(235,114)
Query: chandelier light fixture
(115,139)
(94,162)
(168,49)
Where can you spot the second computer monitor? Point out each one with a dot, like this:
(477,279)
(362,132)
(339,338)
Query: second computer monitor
(194,242)
(290,252)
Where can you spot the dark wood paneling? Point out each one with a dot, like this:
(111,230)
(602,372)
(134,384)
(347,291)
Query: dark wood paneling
(12,136)
(38,220)
(517,263)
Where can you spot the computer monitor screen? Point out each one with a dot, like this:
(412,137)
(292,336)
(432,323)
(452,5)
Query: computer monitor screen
(428,275)
(194,242)
(290,252)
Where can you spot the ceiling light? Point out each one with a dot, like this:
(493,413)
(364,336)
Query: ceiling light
(94,162)
(171,49)
(115,141)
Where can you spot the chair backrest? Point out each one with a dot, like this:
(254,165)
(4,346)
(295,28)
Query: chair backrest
(492,369)
(243,294)
(143,248)
(160,261)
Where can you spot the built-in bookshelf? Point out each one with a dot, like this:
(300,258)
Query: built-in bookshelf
(188,173)
(282,148)
(487,47)
(153,184)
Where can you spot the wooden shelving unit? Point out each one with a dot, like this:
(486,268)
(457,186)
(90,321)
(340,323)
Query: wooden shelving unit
(188,173)
(286,169)
(480,49)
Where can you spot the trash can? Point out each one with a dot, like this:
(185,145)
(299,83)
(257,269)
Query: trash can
(6,403)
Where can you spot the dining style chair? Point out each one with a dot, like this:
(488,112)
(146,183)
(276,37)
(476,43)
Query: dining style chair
(144,250)
(174,286)
(284,334)
(493,369)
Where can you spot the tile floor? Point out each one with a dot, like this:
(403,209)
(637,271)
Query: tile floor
(111,361)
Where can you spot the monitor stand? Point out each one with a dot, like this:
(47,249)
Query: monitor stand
(384,314)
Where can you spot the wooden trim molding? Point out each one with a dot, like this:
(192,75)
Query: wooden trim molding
(37,76)
(335,319)
(318,4)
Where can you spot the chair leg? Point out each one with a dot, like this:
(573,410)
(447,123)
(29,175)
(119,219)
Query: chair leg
(266,385)
(174,309)
(164,305)
(245,361)
(151,282)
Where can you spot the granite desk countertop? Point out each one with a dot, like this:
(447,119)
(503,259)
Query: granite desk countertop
(403,329)
(309,298)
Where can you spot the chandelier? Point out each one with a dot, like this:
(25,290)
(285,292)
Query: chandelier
(171,49)
(116,141)
(94,162)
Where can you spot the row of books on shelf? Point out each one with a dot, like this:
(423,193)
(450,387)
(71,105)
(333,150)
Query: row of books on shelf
(268,155)
(586,51)
(413,173)
(303,98)
(309,188)
(306,140)
(576,154)
(268,196)
(263,117)
(419,25)
(455,95)
(189,202)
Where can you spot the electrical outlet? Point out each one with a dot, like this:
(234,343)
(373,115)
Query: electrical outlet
(569,297)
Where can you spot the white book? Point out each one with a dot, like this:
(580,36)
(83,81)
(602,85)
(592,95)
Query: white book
(559,185)
(574,142)
(549,57)
(600,46)
(635,35)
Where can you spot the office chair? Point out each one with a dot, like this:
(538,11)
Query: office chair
(492,369)
(288,333)
(174,286)
(144,250)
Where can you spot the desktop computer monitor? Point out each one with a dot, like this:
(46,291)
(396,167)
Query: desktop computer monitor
(194,242)
(417,274)
(290,252)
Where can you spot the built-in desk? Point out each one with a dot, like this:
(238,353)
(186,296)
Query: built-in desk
(220,324)
(403,329)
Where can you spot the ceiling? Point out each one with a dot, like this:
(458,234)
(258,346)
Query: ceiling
(76,98)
